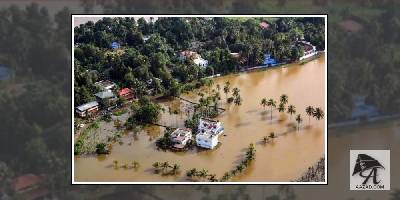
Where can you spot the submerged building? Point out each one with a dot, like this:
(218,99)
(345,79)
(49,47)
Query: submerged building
(208,133)
(180,137)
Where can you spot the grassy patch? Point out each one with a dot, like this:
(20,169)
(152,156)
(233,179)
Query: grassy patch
(120,112)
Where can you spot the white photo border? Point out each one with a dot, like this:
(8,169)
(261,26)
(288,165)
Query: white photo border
(325,182)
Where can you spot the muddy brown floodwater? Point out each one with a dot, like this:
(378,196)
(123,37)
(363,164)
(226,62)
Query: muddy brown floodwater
(285,159)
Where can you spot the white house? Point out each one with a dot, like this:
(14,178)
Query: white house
(209,130)
(200,62)
(87,108)
(180,137)
(309,49)
(206,140)
(197,59)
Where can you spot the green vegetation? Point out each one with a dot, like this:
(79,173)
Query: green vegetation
(153,65)
(310,112)
(120,112)
(166,169)
(86,143)
(107,117)
(315,173)
(164,142)
(144,111)
(250,156)
(135,165)
(201,175)
(272,104)
(291,110)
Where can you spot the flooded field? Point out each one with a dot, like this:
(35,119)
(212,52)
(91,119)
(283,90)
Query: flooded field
(285,159)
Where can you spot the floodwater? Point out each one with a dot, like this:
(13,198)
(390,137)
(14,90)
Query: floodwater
(285,159)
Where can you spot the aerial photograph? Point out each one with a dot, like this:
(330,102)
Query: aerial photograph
(199,99)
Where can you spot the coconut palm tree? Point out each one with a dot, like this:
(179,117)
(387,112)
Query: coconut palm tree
(281,107)
(318,113)
(272,104)
(203,173)
(265,139)
(156,165)
(209,83)
(291,110)
(191,172)
(226,177)
(217,96)
(165,165)
(115,164)
(238,100)
(298,120)
(135,165)
(264,102)
(284,99)
(310,112)
(175,169)
(235,91)
(272,135)
(227,88)
(240,168)
(213,178)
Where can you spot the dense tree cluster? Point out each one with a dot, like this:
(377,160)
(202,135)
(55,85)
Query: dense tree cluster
(147,59)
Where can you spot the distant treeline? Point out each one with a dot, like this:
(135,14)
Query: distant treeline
(148,49)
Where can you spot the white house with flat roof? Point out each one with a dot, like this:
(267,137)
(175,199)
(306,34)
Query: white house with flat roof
(180,137)
(206,140)
(208,133)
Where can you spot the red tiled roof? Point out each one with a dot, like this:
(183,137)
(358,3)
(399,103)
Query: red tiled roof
(124,91)
(25,181)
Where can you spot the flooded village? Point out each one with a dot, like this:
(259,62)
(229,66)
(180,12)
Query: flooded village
(259,124)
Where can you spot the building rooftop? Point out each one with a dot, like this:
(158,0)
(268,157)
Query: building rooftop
(104,94)
(105,84)
(87,106)
(206,134)
(180,134)
(208,125)
(124,91)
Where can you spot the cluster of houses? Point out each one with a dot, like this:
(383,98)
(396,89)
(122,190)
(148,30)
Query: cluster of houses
(105,98)
(206,137)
